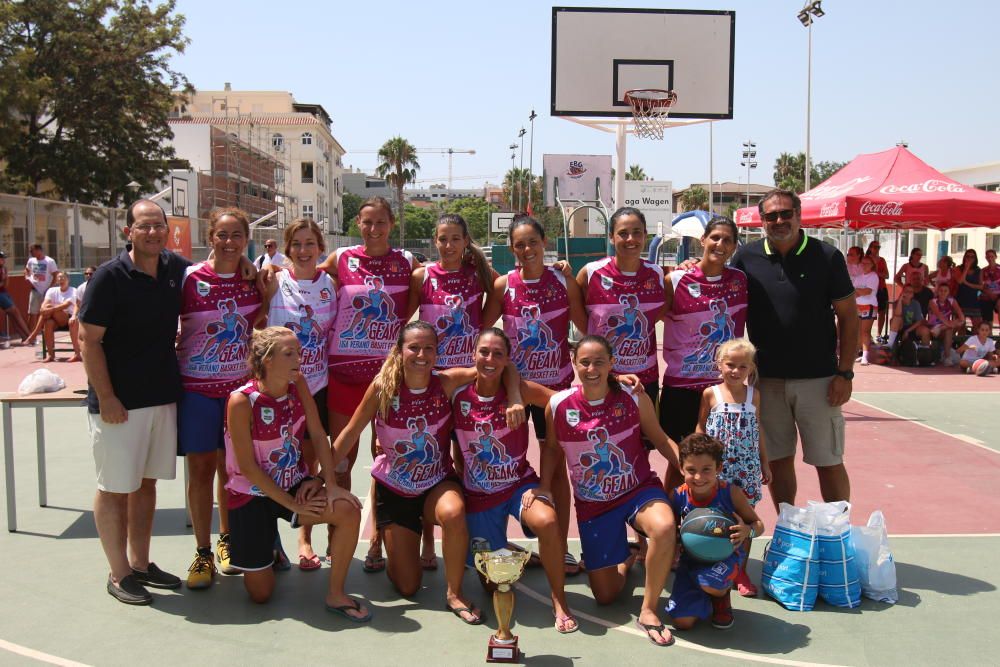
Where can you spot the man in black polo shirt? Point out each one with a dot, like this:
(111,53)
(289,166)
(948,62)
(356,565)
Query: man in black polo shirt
(128,324)
(796,286)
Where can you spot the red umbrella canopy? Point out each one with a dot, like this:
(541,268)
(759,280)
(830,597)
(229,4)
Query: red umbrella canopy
(893,189)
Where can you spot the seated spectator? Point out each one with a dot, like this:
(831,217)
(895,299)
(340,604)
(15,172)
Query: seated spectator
(945,275)
(865,287)
(908,320)
(58,307)
(922,294)
(945,319)
(7,303)
(980,346)
(989,297)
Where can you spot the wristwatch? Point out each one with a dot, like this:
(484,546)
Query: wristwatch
(847,375)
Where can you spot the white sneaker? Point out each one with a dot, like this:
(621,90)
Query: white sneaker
(864,362)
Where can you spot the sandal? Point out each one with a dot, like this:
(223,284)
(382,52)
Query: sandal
(310,563)
(429,563)
(744,586)
(571,565)
(281,562)
(566,624)
(353,606)
(458,611)
(660,629)
(373,564)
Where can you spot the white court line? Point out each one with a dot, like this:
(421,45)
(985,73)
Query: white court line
(628,629)
(961,437)
(17,649)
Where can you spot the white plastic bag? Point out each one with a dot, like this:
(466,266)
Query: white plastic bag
(41,381)
(876,567)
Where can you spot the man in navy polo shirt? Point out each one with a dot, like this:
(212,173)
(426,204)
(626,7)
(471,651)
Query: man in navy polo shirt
(128,325)
(797,285)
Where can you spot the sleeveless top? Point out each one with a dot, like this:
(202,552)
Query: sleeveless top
(496,458)
(415,440)
(909,271)
(603,446)
(624,308)
(278,426)
(736,426)
(706,312)
(452,301)
(989,274)
(946,308)
(307,307)
(682,502)
(372,302)
(536,319)
(217,314)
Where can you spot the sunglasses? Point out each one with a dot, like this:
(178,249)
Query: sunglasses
(784,214)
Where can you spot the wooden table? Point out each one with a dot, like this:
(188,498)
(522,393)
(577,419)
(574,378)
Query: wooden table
(66,398)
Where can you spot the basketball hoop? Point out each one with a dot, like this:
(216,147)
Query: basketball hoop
(650,109)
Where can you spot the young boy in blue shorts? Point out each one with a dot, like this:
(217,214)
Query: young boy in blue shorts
(701,590)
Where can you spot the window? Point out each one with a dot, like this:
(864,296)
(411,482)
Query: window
(278,142)
(321,175)
(307,209)
(307,172)
(307,138)
(959,242)
(989,187)
(279,174)
(993,242)
(919,240)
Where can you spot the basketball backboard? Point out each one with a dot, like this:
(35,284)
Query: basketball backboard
(577,176)
(599,53)
(500,222)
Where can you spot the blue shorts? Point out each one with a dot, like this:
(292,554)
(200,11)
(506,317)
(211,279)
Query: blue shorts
(6,303)
(200,421)
(604,539)
(491,525)
(687,597)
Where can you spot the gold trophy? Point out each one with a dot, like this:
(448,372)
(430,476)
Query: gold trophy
(502,567)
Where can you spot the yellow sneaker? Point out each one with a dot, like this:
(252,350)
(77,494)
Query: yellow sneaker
(222,555)
(201,571)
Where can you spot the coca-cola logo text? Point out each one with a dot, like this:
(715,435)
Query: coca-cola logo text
(882,208)
(831,209)
(745,218)
(830,190)
(930,185)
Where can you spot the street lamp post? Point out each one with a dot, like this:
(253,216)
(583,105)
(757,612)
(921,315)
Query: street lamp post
(520,179)
(513,154)
(806,17)
(750,162)
(531,156)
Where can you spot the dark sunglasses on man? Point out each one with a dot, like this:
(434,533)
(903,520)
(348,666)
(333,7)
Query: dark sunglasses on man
(784,214)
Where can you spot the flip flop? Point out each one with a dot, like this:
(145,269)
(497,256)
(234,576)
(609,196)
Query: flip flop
(429,564)
(571,565)
(310,563)
(562,621)
(534,561)
(373,564)
(353,606)
(658,629)
(458,612)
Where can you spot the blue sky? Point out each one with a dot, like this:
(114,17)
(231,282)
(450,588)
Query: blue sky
(467,74)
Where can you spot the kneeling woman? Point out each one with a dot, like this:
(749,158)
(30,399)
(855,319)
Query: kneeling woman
(269,479)
(414,478)
(600,427)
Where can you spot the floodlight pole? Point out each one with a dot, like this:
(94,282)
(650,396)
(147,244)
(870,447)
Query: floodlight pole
(808,104)
(531,156)
(520,180)
(620,167)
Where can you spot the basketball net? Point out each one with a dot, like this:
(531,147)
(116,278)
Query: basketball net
(650,110)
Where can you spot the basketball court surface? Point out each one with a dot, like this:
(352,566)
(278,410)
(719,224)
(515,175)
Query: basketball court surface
(922,445)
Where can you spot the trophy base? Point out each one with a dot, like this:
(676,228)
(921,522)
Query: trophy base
(503,651)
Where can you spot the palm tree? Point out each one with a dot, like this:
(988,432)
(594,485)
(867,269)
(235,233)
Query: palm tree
(516,188)
(635,173)
(398,166)
(695,198)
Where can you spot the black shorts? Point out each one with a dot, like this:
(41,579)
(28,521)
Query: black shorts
(537,416)
(986,310)
(679,411)
(405,511)
(652,390)
(882,296)
(324,414)
(253,529)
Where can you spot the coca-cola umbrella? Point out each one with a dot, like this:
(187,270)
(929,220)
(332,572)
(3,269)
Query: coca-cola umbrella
(891,190)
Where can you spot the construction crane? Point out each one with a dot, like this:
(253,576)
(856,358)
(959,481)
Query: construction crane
(450,152)
(438,179)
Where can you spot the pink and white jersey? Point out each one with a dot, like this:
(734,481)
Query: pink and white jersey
(909,271)
(496,458)
(307,307)
(373,297)
(415,440)
(706,312)
(990,275)
(217,314)
(536,319)
(278,426)
(452,301)
(624,308)
(603,446)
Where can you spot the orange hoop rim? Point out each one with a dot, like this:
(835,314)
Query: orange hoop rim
(653,97)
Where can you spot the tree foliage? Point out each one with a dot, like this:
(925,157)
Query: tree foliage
(85,92)
(398,165)
(352,206)
(475,212)
(695,198)
(635,173)
(517,185)
(789,171)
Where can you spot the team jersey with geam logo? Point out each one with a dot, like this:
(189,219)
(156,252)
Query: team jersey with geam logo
(416,440)
(603,446)
(536,319)
(706,312)
(372,302)
(278,426)
(452,301)
(217,314)
(495,457)
(307,307)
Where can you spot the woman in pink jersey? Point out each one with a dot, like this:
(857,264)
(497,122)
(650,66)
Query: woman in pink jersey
(415,483)
(706,306)
(268,418)
(217,308)
(304,299)
(537,303)
(599,427)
